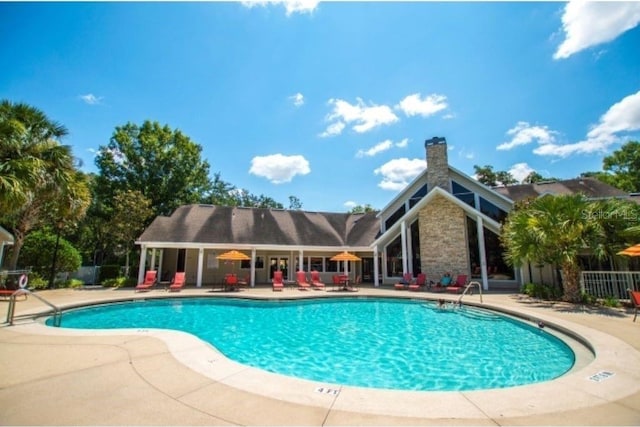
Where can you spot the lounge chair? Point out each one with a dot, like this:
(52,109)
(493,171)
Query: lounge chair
(301,279)
(150,279)
(458,286)
(277,282)
(336,281)
(178,282)
(419,284)
(407,279)
(316,283)
(634,296)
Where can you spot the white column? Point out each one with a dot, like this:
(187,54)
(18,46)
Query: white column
(200,267)
(301,260)
(403,242)
(153,261)
(160,264)
(252,278)
(376,273)
(409,252)
(143,261)
(483,255)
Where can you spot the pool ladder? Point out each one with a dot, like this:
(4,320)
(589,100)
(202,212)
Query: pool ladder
(466,289)
(57,313)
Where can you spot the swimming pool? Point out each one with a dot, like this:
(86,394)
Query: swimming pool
(367,342)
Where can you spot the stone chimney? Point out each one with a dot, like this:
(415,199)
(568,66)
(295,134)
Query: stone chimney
(437,164)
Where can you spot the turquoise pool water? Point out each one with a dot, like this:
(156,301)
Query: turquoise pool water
(381,343)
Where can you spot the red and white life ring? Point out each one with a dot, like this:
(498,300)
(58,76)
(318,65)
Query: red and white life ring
(23,281)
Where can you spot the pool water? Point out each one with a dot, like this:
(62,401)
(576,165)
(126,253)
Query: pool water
(381,343)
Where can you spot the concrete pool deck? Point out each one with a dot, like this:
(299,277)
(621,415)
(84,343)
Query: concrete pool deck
(55,376)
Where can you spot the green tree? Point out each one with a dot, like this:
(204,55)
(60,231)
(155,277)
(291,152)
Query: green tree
(130,214)
(162,164)
(294,203)
(622,167)
(553,230)
(487,176)
(362,209)
(45,187)
(38,253)
(29,152)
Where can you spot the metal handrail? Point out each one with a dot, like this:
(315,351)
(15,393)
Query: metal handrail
(57,313)
(469,285)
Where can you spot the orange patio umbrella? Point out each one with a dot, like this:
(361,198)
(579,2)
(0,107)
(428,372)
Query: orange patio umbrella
(345,256)
(631,251)
(232,256)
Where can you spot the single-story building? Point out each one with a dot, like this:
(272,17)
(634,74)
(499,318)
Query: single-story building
(443,221)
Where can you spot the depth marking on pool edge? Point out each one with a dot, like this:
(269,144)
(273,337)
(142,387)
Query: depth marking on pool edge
(601,376)
(327,390)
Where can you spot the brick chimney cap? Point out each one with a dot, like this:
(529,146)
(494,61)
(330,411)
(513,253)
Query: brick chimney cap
(435,140)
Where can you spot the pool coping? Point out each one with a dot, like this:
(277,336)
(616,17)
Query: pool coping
(573,391)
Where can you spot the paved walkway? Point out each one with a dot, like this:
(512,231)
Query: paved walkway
(54,376)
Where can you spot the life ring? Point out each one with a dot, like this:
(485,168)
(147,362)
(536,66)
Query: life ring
(24,279)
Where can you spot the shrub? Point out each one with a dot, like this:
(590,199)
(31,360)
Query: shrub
(611,302)
(72,283)
(119,282)
(37,282)
(38,251)
(536,290)
(585,298)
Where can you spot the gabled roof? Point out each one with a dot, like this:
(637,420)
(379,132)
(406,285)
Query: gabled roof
(590,187)
(414,212)
(223,225)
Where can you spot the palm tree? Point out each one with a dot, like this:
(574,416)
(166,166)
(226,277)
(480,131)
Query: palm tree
(552,230)
(36,171)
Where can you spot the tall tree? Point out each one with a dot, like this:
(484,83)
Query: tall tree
(38,177)
(131,210)
(553,230)
(622,167)
(486,175)
(362,209)
(161,163)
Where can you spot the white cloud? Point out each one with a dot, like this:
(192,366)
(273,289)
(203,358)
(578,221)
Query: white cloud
(298,99)
(412,105)
(590,23)
(381,147)
(397,173)
(333,129)
(520,171)
(350,204)
(91,99)
(278,168)
(622,117)
(292,6)
(523,133)
(363,117)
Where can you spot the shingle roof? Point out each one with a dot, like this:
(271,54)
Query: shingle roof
(257,226)
(590,187)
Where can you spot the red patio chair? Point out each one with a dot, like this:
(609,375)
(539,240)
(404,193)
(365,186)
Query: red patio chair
(277,282)
(635,301)
(301,279)
(178,282)
(421,281)
(316,283)
(150,279)
(458,286)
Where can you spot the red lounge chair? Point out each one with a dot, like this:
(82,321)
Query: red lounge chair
(316,283)
(407,278)
(177,283)
(301,278)
(335,281)
(277,282)
(420,282)
(634,296)
(149,281)
(458,286)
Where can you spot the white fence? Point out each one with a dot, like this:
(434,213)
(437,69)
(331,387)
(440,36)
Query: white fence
(603,284)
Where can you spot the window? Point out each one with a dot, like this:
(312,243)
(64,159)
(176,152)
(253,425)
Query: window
(463,194)
(246,263)
(394,258)
(418,196)
(395,217)
(491,210)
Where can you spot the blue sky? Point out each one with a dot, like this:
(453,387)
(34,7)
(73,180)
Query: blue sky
(331,102)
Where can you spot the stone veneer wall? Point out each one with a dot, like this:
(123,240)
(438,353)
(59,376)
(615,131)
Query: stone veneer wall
(437,166)
(443,239)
